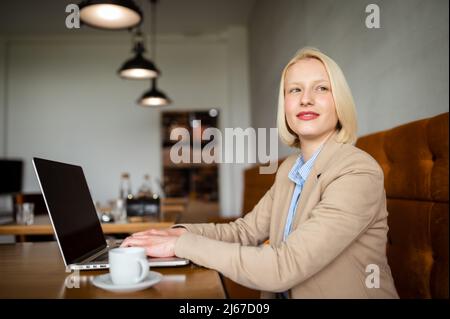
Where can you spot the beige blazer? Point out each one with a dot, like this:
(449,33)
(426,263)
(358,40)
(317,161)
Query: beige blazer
(337,247)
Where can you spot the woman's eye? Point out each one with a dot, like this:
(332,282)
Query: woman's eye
(294,90)
(322,88)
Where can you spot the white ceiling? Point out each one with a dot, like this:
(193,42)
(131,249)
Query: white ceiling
(32,17)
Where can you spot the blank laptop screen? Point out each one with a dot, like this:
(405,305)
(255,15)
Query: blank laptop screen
(71,208)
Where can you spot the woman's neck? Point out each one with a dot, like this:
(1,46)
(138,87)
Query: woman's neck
(309,147)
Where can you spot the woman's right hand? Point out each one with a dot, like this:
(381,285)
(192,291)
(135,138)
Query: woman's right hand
(177,232)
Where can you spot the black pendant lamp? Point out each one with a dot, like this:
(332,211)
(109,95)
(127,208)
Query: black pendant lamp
(138,67)
(110,14)
(154,97)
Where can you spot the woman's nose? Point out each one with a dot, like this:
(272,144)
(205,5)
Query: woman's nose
(306,98)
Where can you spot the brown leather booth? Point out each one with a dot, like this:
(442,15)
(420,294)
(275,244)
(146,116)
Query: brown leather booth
(414,158)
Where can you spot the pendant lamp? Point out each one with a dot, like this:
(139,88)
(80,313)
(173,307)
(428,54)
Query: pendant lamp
(154,97)
(138,67)
(110,14)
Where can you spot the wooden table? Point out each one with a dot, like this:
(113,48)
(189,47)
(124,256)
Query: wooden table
(171,210)
(42,226)
(36,270)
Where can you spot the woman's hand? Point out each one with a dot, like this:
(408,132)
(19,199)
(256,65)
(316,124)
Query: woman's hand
(177,232)
(155,245)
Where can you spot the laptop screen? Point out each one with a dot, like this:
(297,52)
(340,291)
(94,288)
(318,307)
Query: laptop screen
(71,208)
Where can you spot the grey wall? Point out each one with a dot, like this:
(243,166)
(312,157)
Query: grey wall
(398,73)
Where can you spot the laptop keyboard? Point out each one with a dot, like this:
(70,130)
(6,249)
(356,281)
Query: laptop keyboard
(101,258)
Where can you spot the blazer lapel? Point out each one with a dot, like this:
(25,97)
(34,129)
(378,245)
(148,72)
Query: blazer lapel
(325,155)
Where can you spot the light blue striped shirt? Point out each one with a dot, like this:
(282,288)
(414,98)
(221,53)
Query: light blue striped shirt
(298,174)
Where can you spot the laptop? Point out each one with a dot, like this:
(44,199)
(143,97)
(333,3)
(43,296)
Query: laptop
(74,218)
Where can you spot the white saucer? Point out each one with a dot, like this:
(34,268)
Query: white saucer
(105,282)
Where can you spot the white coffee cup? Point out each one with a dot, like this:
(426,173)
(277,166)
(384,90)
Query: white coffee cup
(128,265)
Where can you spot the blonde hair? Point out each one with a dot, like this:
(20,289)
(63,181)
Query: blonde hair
(343,99)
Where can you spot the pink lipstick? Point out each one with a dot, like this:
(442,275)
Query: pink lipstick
(307,116)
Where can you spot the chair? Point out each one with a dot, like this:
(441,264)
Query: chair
(414,158)
(173,208)
(172,213)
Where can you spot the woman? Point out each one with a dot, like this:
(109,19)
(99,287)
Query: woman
(325,216)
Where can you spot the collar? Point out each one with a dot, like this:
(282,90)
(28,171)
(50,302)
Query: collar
(300,171)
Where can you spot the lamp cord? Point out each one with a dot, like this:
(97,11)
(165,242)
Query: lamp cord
(153,29)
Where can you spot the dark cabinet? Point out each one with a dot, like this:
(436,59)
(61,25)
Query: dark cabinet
(193,178)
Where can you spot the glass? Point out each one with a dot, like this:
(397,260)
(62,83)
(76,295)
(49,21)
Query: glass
(25,213)
(125,187)
(146,188)
(119,211)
